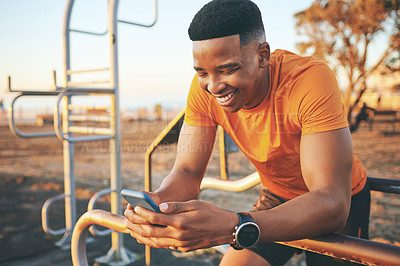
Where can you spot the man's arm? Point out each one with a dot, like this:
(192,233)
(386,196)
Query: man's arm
(326,163)
(188,228)
(326,160)
(195,146)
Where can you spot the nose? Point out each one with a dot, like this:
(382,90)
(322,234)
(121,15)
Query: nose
(215,86)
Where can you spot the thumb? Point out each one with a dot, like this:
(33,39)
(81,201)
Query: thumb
(153,196)
(176,207)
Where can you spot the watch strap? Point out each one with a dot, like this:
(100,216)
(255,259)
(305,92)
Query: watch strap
(244,217)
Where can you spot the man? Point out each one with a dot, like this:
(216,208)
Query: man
(285,113)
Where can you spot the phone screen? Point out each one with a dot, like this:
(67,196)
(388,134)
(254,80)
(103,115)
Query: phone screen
(136,198)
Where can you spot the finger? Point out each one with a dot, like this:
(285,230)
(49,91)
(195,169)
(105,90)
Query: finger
(167,218)
(129,207)
(142,235)
(159,218)
(145,240)
(177,207)
(134,218)
(164,242)
(151,217)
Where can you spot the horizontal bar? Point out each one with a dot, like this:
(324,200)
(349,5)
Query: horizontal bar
(91,118)
(69,71)
(350,248)
(90,130)
(88,107)
(385,112)
(30,92)
(89,82)
(376,184)
(37,93)
(384,185)
(18,133)
(88,138)
(384,121)
(138,24)
(84,90)
(141,24)
(231,185)
(89,32)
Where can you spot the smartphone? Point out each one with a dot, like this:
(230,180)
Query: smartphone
(136,198)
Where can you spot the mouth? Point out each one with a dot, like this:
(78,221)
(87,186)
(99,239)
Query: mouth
(226,98)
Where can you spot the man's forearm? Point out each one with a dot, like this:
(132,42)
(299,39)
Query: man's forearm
(311,214)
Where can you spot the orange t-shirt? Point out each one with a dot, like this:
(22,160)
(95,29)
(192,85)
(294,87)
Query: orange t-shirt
(303,98)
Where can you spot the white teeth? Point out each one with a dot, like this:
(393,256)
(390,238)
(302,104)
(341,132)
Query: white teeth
(226,98)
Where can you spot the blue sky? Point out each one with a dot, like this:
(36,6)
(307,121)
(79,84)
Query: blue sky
(155,63)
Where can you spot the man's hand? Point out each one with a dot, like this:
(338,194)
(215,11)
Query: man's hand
(190,225)
(137,218)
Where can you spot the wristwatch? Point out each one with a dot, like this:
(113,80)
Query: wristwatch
(246,233)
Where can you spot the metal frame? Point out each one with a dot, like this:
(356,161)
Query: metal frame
(174,127)
(64,130)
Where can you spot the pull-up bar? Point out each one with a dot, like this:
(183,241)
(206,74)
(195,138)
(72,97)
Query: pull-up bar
(122,21)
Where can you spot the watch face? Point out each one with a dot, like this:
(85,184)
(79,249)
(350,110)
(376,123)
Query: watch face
(248,235)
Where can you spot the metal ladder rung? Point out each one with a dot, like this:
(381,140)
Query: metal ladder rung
(88,107)
(89,32)
(69,71)
(89,118)
(91,130)
(85,90)
(88,82)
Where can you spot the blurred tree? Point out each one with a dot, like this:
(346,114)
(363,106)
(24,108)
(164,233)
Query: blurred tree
(340,32)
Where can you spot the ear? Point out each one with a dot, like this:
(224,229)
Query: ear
(264,53)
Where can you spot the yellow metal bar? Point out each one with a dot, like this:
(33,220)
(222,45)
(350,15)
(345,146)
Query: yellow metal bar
(222,154)
(99,217)
(91,130)
(231,185)
(90,118)
(153,146)
(89,107)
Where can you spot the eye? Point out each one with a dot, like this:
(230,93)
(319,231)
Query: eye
(230,71)
(202,74)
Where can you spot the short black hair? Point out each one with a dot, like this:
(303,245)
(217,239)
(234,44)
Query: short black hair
(221,18)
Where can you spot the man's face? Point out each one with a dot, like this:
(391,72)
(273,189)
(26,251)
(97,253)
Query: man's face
(232,74)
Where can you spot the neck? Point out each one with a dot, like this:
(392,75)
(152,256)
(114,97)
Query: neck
(263,88)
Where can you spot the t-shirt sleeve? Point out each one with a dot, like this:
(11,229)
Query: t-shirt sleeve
(316,101)
(198,107)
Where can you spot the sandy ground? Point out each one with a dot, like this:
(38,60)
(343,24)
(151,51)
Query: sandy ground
(31,170)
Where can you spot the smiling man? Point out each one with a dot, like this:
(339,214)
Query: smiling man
(285,113)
